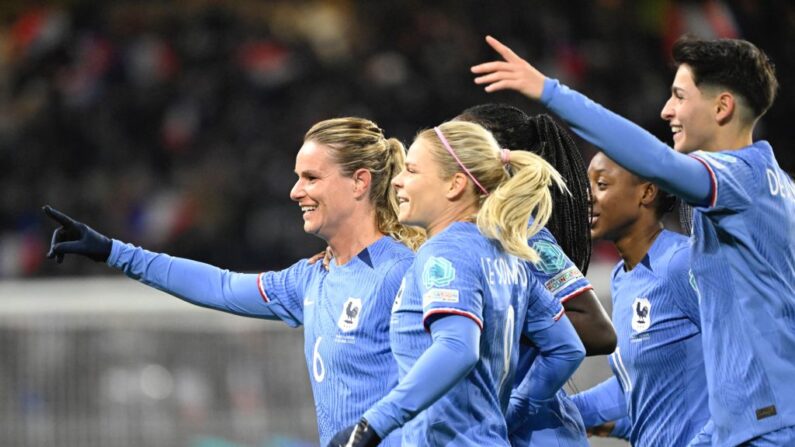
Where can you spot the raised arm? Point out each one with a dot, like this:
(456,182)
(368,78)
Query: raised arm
(195,282)
(628,144)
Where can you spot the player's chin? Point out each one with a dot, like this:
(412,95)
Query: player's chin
(682,146)
(404,216)
(597,233)
(310,228)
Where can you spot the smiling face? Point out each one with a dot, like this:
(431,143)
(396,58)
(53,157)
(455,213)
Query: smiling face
(326,196)
(420,188)
(617,195)
(690,111)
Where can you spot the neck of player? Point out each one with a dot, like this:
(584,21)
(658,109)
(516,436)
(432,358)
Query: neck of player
(635,243)
(731,138)
(347,244)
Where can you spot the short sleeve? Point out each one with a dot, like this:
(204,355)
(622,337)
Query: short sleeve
(449,283)
(555,270)
(683,285)
(284,290)
(543,309)
(733,181)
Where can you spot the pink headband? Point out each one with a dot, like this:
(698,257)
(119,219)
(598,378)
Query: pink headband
(452,152)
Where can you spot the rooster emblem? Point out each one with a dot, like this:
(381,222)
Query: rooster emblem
(641,314)
(349,317)
(351,312)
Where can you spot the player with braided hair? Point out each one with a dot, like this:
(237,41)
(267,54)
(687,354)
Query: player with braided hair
(540,134)
(658,394)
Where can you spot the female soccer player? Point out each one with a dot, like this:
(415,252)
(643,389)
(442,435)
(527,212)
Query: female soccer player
(743,237)
(344,168)
(659,381)
(557,422)
(470,289)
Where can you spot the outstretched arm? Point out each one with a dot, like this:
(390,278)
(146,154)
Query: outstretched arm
(195,282)
(623,141)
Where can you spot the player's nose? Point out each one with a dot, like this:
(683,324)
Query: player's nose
(297,192)
(667,112)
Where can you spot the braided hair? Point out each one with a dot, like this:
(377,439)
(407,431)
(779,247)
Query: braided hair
(540,134)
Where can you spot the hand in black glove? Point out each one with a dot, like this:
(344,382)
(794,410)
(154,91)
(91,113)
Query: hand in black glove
(359,435)
(76,237)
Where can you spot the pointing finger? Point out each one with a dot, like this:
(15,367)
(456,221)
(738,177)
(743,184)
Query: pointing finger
(504,51)
(58,216)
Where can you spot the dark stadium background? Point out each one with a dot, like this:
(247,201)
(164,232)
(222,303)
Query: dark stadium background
(174,125)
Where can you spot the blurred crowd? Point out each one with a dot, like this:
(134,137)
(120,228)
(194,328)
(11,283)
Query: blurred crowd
(174,125)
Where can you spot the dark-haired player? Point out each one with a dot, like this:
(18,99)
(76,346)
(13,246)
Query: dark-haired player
(743,236)
(658,382)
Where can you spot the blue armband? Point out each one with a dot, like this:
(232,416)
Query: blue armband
(622,428)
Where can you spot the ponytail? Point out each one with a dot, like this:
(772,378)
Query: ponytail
(526,195)
(514,191)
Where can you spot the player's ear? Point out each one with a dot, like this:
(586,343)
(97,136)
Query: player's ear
(456,186)
(362,179)
(725,107)
(650,191)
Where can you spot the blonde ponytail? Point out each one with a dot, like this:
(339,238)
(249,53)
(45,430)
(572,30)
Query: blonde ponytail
(515,192)
(506,212)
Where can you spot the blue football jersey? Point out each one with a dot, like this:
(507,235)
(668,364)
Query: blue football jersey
(559,423)
(492,288)
(743,261)
(659,360)
(345,313)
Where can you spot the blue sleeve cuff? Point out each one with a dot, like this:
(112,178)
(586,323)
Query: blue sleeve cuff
(622,428)
(603,403)
(550,89)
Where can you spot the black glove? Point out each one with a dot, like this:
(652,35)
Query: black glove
(359,435)
(76,237)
